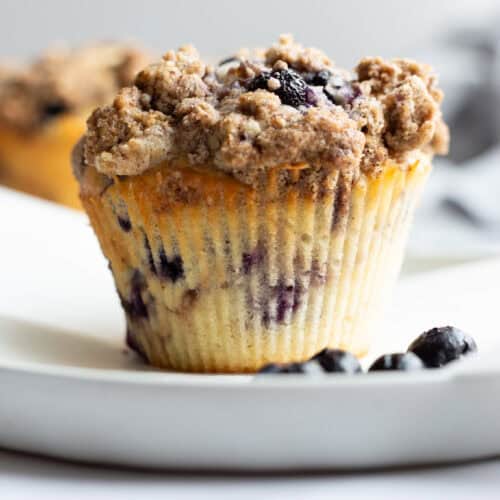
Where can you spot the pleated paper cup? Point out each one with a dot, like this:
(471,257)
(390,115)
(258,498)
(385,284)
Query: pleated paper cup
(217,276)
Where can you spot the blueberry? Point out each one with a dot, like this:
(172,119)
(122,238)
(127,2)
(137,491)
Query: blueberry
(271,368)
(341,92)
(124,223)
(311,97)
(336,360)
(53,109)
(439,346)
(401,361)
(251,259)
(312,367)
(292,90)
(134,306)
(281,368)
(171,269)
(288,298)
(308,368)
(259,82)
(149,255)
(319,79)
(266,318)
(285,300)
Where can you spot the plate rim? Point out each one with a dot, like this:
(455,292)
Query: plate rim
(456,370)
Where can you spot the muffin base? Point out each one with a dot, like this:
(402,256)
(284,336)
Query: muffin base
(39,163)
(220,277)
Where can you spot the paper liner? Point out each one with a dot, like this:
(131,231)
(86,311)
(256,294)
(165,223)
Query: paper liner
(225,278)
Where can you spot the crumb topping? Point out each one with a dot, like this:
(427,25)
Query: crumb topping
(260,109)
(66,80)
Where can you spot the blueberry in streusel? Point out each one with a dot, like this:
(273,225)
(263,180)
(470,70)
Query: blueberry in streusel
(287,84)
(319,79)
(341,92)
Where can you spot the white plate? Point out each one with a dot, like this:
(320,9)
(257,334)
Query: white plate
(74,392)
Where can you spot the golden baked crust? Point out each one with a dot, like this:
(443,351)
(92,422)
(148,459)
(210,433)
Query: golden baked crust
(66,81)
(261,109)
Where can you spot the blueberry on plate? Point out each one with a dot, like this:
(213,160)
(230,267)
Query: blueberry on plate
(438,346)
(308,368)
(312,367)
(338,361)
(281,368)
(405,361)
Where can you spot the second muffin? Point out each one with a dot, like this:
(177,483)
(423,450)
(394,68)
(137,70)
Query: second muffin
(43,108)
(257,211)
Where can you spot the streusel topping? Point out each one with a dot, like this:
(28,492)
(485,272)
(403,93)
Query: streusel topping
(66,80)
(265,108)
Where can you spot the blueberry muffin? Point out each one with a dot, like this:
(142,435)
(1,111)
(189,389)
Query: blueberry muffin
(257,211)
(43,108)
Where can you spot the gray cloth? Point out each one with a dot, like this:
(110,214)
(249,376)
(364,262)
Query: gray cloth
(460,213)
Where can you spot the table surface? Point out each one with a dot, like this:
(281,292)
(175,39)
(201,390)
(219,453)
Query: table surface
(25,477)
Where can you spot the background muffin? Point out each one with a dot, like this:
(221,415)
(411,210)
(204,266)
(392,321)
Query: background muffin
(43,107)
(257,211)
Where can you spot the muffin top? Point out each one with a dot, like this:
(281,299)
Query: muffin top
(285,105)
(65,81)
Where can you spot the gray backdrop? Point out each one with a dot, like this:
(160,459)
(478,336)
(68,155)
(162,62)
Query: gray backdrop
(346,29)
